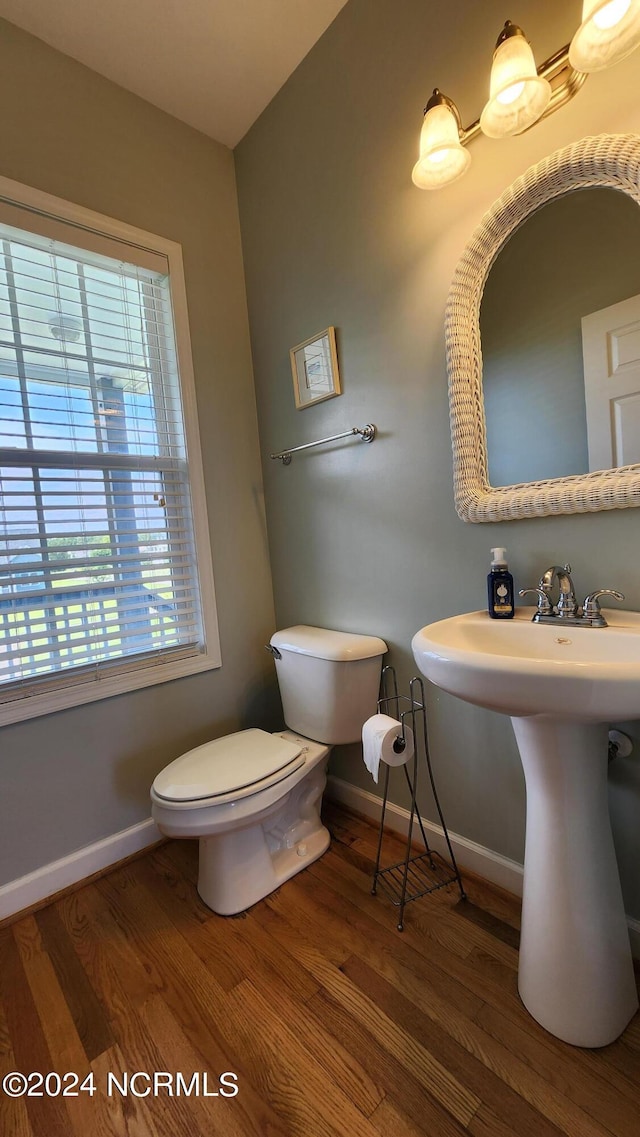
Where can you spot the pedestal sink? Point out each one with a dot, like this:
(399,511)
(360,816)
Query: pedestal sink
(561,687)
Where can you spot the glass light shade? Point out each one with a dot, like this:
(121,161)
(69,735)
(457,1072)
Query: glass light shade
(517,95)
(610,30)
(442,156)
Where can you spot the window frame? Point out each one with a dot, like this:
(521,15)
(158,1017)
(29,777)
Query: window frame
(70,689)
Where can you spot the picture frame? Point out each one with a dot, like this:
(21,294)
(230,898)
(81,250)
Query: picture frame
(314,366)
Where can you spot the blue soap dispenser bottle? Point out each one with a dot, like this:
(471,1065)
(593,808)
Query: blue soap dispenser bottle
(500,587)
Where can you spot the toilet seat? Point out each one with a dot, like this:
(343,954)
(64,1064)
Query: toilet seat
(227,769)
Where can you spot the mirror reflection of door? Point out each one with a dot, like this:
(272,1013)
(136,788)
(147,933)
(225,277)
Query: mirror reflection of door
(611,354)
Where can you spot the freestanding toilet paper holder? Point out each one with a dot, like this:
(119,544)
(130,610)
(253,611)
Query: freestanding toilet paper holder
(418,874)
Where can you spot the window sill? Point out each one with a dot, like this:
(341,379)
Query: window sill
(26,707)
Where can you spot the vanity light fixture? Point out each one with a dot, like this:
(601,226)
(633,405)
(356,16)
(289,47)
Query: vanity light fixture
(522,94)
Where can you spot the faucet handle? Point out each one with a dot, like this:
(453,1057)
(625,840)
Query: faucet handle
(545,607)
(591,606)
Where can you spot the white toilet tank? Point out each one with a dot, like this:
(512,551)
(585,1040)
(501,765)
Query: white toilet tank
(328,681)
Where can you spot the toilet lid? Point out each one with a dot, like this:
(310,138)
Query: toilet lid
(227,765)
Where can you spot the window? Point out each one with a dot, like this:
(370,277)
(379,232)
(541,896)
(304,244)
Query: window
(105,575)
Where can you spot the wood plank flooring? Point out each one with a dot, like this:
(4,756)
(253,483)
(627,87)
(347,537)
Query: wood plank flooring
(335,1024)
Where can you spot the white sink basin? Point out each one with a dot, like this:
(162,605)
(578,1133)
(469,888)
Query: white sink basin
(520,668)
(561,686)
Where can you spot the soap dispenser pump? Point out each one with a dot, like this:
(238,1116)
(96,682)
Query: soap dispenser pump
(500,587)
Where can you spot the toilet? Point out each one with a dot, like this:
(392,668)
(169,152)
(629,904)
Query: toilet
(253,798)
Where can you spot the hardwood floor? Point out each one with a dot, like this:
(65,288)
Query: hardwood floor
(335,1024)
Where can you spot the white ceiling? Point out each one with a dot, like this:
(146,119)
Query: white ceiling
(214,64)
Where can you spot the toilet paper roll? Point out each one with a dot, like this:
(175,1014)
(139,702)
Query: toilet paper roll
(382,742)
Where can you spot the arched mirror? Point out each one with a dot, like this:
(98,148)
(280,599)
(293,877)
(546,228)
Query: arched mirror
(543,341)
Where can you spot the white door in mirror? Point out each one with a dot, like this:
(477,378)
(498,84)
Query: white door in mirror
(611,353)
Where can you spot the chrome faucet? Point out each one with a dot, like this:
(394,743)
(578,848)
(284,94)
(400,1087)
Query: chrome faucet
(567,603)
(567,611)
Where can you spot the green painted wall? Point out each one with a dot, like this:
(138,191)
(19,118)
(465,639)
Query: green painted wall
(365,538)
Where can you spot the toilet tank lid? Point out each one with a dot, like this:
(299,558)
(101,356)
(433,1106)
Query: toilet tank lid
(324,644)
(228,764)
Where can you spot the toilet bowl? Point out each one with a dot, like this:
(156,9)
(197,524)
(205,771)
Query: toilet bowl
(252,798)
(256,836)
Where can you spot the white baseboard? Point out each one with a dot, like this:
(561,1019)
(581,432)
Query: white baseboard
(46,881)
(476,858)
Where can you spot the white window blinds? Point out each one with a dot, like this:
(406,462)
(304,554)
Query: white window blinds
(97,560)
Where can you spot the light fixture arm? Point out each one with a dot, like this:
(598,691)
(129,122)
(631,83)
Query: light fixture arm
(569,81)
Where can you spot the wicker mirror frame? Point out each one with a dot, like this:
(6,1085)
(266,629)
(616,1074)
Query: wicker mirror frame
(604,161)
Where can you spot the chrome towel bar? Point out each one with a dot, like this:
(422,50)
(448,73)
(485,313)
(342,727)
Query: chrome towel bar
(367,433)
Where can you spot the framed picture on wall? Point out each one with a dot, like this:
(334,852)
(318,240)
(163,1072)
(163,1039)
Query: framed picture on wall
(314,365)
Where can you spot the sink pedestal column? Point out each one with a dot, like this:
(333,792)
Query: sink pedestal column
(575,973)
